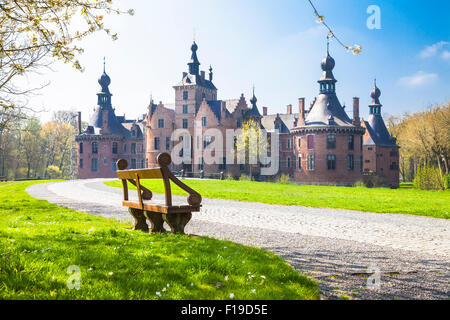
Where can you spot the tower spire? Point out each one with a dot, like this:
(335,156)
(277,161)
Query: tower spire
(194,64)
(104,64)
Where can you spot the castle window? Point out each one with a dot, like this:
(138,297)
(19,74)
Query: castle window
(185,108)
(299,143)
(310,163)
(331,162)
(223,165)
(94,147)
(81,147)
(133,133)
(299,163)
(94,164)
(331,141)
(114,148)
(207,141)
(203,95)
(133,163)
(204,121)
(185,123)
(361,143)
(157,143)
(142,164)
(310,142)
(288,162)
(289,143)
(201,164)
(105,161)
(160,123)
(81,163)
(167,143)
(114,164)
(351,142)
(124,147)
(185,95)
(361,163)
(350,162)
(238,123)
(394,166)
(133,148)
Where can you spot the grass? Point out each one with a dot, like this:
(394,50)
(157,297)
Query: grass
(381,200)
(39,241)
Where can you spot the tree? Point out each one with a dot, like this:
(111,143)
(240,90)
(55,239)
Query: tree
(250,143)
(31,146)
(424,139)
(34,33)
(56,139)
(9,121)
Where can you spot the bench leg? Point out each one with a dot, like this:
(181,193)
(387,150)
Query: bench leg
(177,221)
(156,221)
(139,218)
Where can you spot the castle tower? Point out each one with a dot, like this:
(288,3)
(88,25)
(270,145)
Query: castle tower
(189,94)
(381,156)
(328,145)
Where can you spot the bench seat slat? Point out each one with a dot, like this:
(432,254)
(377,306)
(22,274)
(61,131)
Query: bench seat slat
(161,208)
(143,174)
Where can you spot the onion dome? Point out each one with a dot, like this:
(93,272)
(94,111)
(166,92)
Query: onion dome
(104,80)
(375,94)
(328,63)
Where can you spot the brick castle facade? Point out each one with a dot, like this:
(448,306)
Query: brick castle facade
(318,145)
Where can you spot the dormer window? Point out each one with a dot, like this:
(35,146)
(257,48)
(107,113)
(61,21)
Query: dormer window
(133,133)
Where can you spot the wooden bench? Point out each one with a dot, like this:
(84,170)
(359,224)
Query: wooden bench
(176,216)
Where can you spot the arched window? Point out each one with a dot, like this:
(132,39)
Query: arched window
(81,147)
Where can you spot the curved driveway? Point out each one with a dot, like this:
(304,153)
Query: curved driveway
(335,246)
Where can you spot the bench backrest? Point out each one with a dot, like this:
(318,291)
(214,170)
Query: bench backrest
(163,172)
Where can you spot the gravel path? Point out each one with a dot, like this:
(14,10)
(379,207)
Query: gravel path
(334,246)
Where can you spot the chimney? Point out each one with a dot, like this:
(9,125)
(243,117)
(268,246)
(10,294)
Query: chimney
(264,111)
(301,108)
(202,74)
(356,119)
(289,109)
(79,122)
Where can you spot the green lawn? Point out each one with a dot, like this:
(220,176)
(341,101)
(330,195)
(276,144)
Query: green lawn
(39,241)
(382,200)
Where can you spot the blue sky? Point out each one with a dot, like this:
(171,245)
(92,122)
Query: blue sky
(275,45)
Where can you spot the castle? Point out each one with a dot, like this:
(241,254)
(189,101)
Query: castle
(319,145)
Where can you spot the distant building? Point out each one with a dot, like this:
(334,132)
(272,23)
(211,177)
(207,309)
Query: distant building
(321,145)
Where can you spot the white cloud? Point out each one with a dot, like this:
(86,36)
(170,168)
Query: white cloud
(432,50)
(419,79)
(445,55)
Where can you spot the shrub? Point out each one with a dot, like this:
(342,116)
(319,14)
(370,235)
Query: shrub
(53,172)
(245,177)
(428,178)
(284,179)
(447,181)
(360,184)
(373,181)
(229,177)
